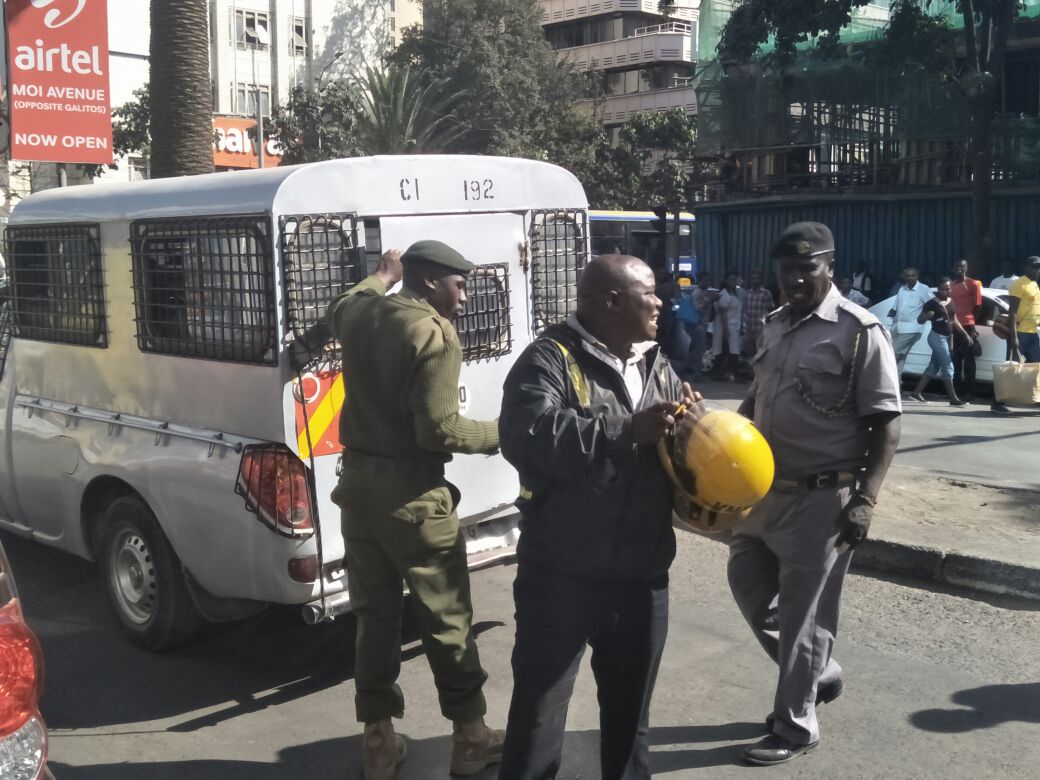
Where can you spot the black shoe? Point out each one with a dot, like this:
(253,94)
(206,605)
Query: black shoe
(998,408)
(825,694)
(959,402)
(774,749)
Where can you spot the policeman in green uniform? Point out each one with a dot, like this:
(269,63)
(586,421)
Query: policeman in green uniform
(399,425)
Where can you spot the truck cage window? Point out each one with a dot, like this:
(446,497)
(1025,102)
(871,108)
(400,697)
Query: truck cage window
(321,260)
(484,328)
(57,289)
(559,253)
(204,288)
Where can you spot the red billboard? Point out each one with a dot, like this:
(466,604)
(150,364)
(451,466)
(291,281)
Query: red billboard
(58,85)
(233,145)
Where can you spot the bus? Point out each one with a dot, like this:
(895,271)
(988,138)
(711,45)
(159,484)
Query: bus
(632,233)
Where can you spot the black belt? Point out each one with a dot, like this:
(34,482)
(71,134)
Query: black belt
(825,479)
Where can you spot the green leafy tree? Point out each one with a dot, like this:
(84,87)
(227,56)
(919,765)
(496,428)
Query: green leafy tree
(520,99)
(179,84)
(317,124)
(402,114)
(916,26)
(131,131)
(651,164)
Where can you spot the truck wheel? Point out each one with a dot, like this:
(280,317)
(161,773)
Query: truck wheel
(144,578)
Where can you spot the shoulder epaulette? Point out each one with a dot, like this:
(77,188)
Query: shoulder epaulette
(865,318)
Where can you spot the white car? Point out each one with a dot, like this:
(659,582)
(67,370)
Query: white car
(994,349)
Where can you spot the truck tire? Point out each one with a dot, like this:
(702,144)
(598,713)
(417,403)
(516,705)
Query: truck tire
(144,578)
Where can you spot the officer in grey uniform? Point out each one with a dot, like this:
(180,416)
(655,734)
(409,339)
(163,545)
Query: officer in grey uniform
(826,397)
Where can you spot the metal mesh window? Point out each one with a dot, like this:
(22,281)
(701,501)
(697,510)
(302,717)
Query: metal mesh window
(56,284)
(204,288)
(484,328)
(559,252)
(320,262)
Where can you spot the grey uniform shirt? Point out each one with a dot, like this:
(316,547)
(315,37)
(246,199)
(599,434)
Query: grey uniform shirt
(814,385)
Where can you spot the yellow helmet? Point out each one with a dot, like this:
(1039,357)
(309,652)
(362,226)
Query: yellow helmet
(726,469)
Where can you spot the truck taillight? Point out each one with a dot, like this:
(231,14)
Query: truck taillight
(21,670)
(276,488)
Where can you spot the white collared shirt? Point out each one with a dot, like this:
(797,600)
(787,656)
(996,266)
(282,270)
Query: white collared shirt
(628,370)
(909,304)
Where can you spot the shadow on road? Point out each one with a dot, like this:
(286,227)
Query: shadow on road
(983,708)
(96,678)
(332,759)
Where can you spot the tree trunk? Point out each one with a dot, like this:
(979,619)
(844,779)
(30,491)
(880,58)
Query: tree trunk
(179,88)
(981,244)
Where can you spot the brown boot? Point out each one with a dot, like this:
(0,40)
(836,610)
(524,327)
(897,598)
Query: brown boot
(475,747)
(382,751)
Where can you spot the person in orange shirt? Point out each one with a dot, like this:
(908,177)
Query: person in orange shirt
(967,301)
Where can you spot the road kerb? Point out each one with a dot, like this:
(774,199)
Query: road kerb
(966,571)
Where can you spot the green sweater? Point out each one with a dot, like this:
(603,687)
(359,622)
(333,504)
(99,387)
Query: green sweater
(401,365)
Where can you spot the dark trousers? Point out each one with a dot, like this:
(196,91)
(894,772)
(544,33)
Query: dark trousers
(625,624)
(964,362)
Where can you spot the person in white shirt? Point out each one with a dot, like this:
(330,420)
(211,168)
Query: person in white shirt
(851,293)
(906,330)
(1007,276)
(726,338)
(862,281)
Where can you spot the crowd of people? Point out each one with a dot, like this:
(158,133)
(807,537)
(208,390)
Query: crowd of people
(727,320)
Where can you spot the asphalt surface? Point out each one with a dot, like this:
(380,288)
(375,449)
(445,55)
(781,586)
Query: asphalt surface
(937,685)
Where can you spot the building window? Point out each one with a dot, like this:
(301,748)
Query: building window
(138,167)
(321,260)
(393,6)
(484,328)
(245,99)
(252,30)
(204,288)
(298,39)
(559,252)
(392,41)
(56,285)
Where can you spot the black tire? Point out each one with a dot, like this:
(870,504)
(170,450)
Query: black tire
(144,578)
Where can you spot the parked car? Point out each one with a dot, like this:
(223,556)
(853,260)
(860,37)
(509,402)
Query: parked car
(23,735)
(994,348)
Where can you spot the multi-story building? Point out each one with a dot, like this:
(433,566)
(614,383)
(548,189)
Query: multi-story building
(643,55)
(259,50)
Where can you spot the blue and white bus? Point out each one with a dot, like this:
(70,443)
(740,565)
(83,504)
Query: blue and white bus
(632,233)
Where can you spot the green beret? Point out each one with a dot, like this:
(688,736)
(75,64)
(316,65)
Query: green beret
(437,253)
(803,239)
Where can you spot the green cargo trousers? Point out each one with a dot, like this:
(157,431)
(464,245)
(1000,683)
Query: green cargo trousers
(401,528)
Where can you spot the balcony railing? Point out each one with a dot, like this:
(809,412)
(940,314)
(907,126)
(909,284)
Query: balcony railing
(669,27)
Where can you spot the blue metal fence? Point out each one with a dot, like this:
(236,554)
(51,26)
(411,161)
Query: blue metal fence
(887,232)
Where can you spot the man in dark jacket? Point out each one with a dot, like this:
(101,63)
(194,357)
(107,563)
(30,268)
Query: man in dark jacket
(582,411)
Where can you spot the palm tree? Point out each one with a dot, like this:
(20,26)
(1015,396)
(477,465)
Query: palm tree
(402,115)
(179,87)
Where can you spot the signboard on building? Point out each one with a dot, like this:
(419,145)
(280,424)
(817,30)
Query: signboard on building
(234,147)
(58,66)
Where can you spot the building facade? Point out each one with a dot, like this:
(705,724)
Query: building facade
(642,56)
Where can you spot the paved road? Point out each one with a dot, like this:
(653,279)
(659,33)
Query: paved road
(937,686)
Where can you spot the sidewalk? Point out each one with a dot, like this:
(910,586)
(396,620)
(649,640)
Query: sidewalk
(959,509)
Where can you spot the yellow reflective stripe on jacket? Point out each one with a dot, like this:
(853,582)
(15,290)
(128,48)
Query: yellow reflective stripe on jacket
(581,387)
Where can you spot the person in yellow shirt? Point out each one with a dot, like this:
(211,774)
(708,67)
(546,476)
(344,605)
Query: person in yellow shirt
(1025,314)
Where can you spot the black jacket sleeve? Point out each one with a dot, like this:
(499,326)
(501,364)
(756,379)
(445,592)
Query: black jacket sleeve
(545,433)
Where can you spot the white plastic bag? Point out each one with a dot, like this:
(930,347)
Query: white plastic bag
(1016,383)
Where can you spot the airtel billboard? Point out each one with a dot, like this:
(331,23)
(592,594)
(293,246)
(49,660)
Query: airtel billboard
(58,92)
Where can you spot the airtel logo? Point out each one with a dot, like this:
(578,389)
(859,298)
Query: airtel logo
(51,17)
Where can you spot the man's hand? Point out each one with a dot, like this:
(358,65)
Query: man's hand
(693,412)
(651,424)
(856,519)
(390,269)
